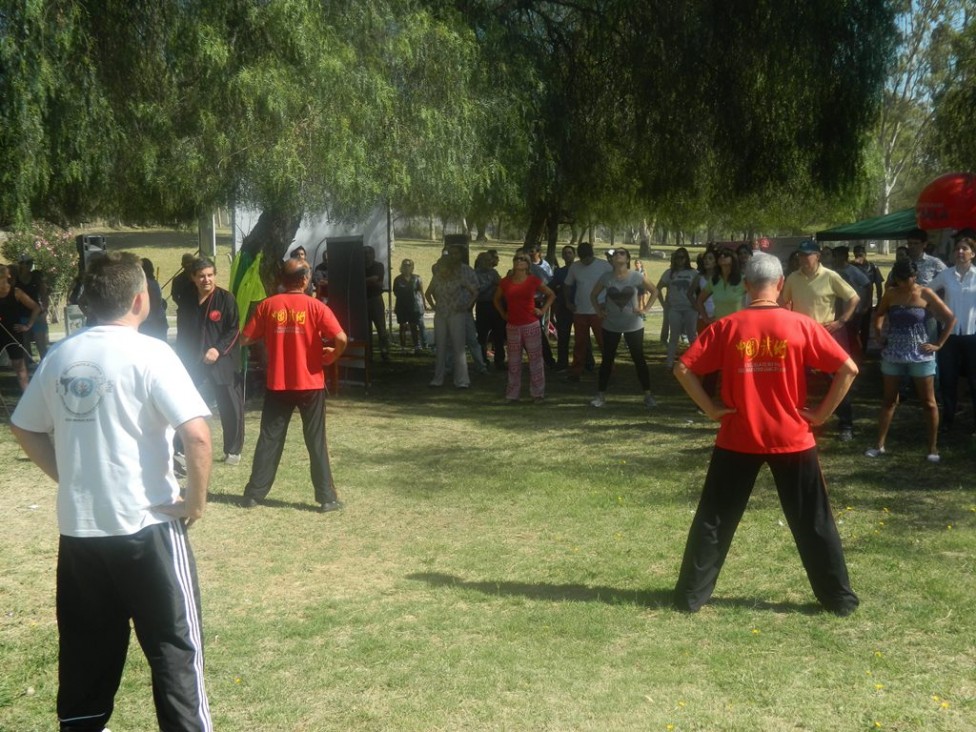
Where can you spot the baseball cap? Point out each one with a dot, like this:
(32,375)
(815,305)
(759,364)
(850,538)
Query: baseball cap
(809,246)
(25,258)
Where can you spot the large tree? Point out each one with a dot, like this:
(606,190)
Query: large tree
(924,69)
(573,110)
(954,107)
(691,105)
(293,105)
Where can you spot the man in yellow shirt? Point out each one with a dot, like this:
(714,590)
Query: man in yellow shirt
(823,295)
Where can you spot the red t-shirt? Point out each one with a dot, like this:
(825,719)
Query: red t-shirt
(292,326)
(762,354)
(520,299)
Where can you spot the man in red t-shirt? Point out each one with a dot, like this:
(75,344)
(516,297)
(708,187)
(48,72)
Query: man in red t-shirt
(292,327)
(762,352)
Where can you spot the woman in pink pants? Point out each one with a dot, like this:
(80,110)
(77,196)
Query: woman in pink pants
(515,300)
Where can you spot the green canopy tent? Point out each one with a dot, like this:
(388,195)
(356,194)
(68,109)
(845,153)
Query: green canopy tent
(891,226)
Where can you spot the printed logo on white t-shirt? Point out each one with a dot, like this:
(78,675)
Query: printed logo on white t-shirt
(81,387)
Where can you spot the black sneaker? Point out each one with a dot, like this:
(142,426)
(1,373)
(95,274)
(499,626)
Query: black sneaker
(331,506)
(248,502)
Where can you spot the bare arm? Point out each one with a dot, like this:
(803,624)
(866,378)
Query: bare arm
(693,387)
(839,386)
(941,311)
(849,307)
(650,290)
(594,300)
(39,448)
(196,445)
(497,302)
(35,310)
(550,297)
(331,354)
(703,295)
(881,311)
(429,294)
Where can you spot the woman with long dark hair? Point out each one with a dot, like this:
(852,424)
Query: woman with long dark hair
(620,314)
(515,301)
(725,288)
(907,350)
(678,282)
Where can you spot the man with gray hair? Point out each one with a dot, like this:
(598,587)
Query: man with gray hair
(763,352)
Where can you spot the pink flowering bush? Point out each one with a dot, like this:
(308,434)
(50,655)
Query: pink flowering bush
(53,250)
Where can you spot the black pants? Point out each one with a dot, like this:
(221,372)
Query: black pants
(564,328)
(102,582)
(803,496)
(275,416)
(547,356)
(491,329)
(376,312)
(956,359)
(230,404)
(635,344)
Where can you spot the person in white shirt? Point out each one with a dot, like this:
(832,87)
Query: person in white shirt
(99,417)
(584,273)
(957,358)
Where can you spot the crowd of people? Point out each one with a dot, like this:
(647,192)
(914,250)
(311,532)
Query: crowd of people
(592,302)
(128,403)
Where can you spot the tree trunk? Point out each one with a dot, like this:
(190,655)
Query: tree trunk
(552,240)
(645,239)
(533,234)
(271,235)
(430,228)
(482,231)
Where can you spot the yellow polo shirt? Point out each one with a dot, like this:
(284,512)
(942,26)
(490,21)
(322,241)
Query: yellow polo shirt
(817,296)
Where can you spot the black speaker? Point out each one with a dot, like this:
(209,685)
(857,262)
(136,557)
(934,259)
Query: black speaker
(89,246)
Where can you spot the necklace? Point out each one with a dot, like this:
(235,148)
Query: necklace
(764,301)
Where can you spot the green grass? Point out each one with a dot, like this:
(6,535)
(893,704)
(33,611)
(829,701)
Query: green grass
(505,568)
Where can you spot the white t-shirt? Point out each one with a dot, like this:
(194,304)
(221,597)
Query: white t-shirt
(111,397)
(585,277)
(679,283)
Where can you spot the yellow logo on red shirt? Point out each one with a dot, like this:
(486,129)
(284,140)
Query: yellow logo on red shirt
(765,347)
(287,315)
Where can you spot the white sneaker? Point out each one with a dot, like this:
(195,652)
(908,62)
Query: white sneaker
(598,401)
(933,457)
(875,452)
(649,401)
(232,459)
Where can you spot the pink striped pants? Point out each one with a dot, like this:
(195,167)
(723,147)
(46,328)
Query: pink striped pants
(529,336)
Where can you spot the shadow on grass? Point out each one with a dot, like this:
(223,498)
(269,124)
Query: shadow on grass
(234,499)
(656,598)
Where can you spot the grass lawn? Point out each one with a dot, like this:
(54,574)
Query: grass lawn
(509,568)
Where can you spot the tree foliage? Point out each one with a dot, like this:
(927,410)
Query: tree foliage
(954,106)
(555,111)
(678,107)
(923,70)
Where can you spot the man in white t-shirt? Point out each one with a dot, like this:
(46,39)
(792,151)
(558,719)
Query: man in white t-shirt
(99,417)
(584,273)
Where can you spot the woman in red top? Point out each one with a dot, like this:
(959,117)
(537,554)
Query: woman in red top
(515,300)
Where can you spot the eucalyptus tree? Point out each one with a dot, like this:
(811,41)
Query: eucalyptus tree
(924,68)
(954,106)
